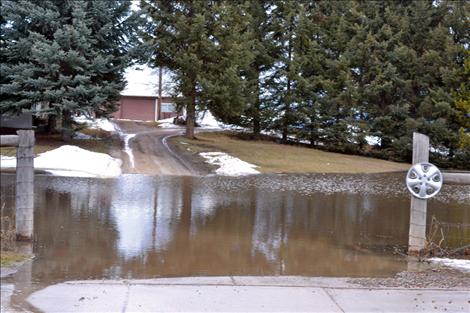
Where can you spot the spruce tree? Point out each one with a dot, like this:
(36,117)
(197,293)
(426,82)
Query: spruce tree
(462,107)
(331,72)
(379,87)
(285,16)
(405,64)
(225,83)
(259,113)
(204,44)
(64,57)
(323,93)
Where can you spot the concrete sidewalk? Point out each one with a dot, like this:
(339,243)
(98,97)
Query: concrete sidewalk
(242,294)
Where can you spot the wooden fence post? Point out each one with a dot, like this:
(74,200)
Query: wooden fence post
(417,234)
(25,185)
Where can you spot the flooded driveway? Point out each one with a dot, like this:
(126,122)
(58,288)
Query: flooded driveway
(146,150)
(139,226)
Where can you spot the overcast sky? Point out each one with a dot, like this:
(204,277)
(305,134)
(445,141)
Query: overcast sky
(143,81)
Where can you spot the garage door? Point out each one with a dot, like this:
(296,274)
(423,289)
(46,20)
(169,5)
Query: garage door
(137,108)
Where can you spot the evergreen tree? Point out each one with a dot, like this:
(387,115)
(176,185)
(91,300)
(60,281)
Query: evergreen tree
(259,113)
(380,98)
(283,79)
(405,64)
(179,37)
(462,107)
(323,93)
(203,44)
(457,22)
(226,82)
(64,57)
(331,72)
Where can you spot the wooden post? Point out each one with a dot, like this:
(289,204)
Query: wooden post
(25,185)
(417,234)
(9,140)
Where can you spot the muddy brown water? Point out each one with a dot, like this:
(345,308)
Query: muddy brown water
(139,226)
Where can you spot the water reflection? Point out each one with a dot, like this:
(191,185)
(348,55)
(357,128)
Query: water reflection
(143,226)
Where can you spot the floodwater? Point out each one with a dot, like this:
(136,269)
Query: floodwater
(139,226)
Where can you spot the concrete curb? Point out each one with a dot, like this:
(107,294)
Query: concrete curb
(242,294)
(253,281)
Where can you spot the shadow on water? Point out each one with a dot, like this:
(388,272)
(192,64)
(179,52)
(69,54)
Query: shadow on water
(140,226)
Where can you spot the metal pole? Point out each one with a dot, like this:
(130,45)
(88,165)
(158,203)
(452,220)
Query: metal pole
(25,185)
(417,234)
(160,87)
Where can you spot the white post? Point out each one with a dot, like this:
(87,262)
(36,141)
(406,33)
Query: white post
(25,185)
(417,234)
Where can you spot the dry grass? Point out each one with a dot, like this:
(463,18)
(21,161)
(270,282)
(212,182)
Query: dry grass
(8,258)
(96,132)
(7,233)
(272,157)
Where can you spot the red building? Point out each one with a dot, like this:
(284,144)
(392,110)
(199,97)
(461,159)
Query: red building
(145,108)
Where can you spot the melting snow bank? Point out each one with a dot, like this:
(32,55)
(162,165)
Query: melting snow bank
(99,123)
(460,264)
(73,161)
(205,120)
(229,165)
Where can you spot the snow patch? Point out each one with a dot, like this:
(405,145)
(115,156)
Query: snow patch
(105,125)
(127,148)
(207,121)
(72,161)
(168,123)
(99,123)
(372,140)
(463,265)
(229,165)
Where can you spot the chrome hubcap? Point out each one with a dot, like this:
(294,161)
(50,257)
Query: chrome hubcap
(424,180)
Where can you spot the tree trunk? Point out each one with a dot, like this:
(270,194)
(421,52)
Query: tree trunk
(256,114)
(313,136)
(385,143)
(287,98)
(66,126)
(256,124)
(52,124)
(286,119)
(191,115)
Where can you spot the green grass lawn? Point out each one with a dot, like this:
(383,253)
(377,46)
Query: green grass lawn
(272,157)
